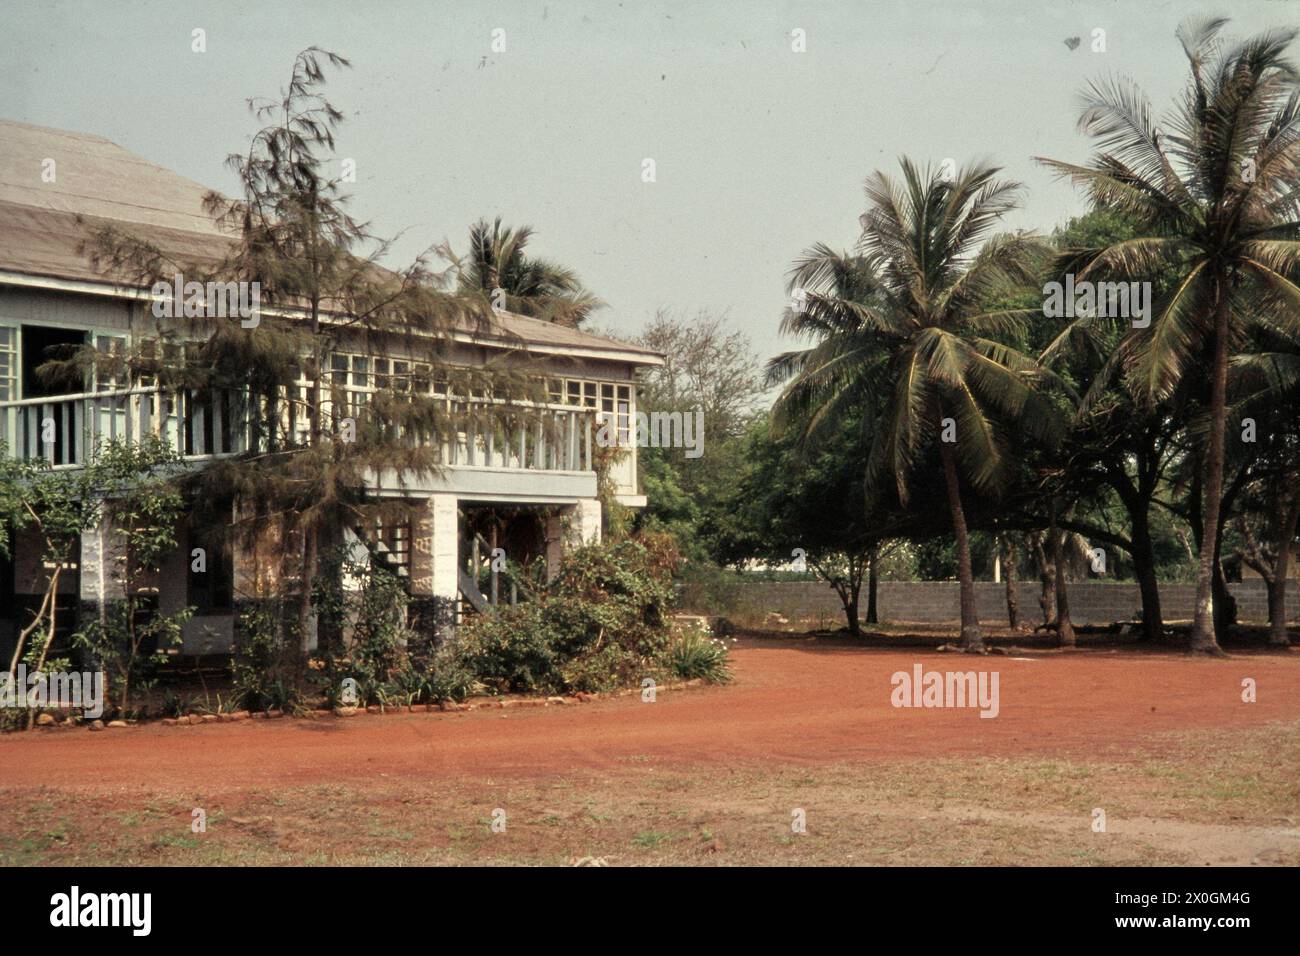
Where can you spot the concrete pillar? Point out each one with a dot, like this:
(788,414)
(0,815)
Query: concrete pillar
(445,526)
(586,521)
(576,525)
(435,565)
(434,548)
(101,556)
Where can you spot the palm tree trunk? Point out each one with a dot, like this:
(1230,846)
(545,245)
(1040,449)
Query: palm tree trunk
(1065,636)
(972,639)
(1203,640)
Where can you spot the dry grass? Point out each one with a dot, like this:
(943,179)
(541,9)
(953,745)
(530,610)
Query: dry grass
(1218,798)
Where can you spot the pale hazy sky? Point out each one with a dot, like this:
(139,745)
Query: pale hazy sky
(760,150)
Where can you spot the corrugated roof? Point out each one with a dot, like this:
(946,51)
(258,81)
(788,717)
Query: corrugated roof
(104,184)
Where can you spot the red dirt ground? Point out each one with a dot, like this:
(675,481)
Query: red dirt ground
(794,702)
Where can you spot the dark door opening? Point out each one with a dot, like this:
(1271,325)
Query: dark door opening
(42,344)
(51,431)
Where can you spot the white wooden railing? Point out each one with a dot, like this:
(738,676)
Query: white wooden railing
(65,429)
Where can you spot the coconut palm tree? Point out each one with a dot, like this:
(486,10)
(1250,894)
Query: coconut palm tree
(907,323)
(1217,197)
(527,286)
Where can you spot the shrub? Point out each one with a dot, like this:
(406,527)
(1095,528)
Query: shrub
(601,624)
(259,681)
(697,654)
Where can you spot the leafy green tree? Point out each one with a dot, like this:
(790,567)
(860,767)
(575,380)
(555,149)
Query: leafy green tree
(1267,380)
(1116,445)
(713,368)
(134,488)
(143,506)
(808,498)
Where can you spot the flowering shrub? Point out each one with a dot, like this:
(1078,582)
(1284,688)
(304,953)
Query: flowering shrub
(698,654)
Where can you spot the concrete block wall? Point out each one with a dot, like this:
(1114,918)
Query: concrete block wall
(1091,602)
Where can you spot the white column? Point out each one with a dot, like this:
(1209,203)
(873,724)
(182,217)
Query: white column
(99,582)
(584,520)
(577,525)
(445,528)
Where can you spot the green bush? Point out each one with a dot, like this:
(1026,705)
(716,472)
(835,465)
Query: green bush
(697,654)
(601,624)
(364,636)
(260,681)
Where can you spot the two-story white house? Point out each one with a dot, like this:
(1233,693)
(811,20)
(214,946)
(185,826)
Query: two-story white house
(530,491)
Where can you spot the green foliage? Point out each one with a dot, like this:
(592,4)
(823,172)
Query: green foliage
(499,270)
(365,606)
(260,678)
(135,488)
(698,654)
(601,624)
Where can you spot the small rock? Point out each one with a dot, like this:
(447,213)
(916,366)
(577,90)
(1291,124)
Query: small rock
(345,711)
(556,700)
(116,723)
(170,721)
(96,725)
(274,713)
(210,718)
(45,720)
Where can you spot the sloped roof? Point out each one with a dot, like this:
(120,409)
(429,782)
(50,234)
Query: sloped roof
(104,184)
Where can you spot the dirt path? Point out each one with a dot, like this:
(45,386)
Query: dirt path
(793,703)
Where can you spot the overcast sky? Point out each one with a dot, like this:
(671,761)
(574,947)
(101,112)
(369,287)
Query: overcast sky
(759,150)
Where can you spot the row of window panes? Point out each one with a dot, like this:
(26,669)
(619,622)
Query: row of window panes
(588,394)
(612,398)
(8,363)
(349,370)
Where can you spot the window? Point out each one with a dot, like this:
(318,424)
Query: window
(366,373)
(580,392)
(110,363)
(8,363)
(611,398)
(150,361)
(616,402)
(351,374)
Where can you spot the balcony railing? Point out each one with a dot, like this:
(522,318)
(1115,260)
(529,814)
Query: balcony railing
(66,430)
